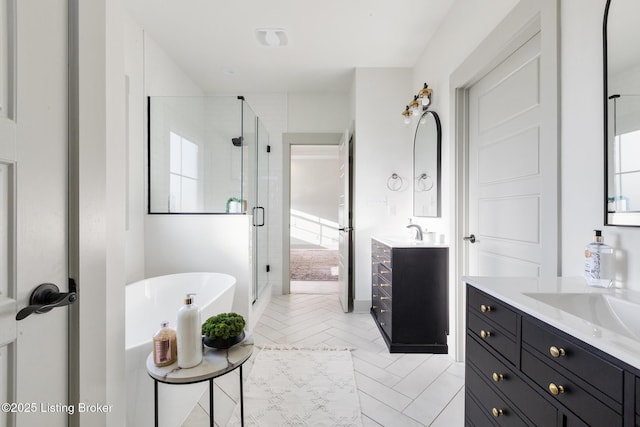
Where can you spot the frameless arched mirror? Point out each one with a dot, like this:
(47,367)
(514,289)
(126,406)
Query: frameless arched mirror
(622,112)
(426,166)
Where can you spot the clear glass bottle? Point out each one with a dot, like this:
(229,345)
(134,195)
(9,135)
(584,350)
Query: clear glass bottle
(599,262)
(165,349)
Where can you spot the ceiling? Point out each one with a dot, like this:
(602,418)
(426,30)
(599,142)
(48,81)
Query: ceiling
(214,41)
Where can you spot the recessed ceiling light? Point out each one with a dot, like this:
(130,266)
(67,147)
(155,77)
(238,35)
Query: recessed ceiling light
(272,37)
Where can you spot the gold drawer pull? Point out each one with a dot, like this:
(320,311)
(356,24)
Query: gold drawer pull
(485,308)
(556,389)
(383,311)
(382,323)
(497,377)
(374,306)
(384,272)
(497,412)
(556,352)
(385,285)
(384,298)
(485,334)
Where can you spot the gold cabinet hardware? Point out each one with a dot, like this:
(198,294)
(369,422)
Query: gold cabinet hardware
(485,308)
(556,352)
(497,412)
(384,298)
(384,272)
(382,323)
(485,334)
(375,306)
(385,285)
(497,377)
(556,389)
(383,311)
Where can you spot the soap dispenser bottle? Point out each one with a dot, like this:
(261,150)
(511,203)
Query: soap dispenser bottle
(599,262)
(189,334)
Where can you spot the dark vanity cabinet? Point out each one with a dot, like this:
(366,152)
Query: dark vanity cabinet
(521,371)
(410,296)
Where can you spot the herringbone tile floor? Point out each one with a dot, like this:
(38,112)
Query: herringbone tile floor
(395,389)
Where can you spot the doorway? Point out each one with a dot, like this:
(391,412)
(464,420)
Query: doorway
(313,219)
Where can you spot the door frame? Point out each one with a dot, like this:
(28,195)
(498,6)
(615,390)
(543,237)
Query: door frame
(97,209)
(526,19)
(289,139)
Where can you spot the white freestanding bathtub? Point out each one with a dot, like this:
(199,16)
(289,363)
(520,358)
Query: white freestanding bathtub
(149,302)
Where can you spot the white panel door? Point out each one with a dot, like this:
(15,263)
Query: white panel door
(33,209)
(344,222)
(507,191)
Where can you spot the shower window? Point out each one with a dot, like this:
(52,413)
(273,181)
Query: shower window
(183,174)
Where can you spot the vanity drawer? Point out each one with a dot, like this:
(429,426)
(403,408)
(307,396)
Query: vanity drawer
(493,336)
(473,414)
(570,394)
(491,403)
(488,307)
(380,253)
(560,352)
(503,378)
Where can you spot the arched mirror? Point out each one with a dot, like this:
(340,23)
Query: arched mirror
(426,166)
(622,112)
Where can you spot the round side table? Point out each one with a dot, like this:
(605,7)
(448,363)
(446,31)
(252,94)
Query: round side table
(215,363)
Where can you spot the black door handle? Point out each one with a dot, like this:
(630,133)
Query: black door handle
(46,297)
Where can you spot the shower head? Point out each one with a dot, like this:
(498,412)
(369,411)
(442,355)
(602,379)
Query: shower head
(237,142)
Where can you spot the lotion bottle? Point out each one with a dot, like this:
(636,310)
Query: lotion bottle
(599,262)
(164,345)
(189,334)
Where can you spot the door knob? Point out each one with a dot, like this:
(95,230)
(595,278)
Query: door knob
(46,297)
(471,238)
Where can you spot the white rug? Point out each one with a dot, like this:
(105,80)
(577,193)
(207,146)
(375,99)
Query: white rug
(300,387)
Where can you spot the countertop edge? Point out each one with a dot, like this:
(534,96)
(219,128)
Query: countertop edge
(512,291)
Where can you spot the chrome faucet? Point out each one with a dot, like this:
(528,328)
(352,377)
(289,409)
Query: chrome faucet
(418,230)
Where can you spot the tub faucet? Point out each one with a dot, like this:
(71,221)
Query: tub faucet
(418,230)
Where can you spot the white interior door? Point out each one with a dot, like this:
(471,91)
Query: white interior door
(344,222)
(33,209)
(508,186)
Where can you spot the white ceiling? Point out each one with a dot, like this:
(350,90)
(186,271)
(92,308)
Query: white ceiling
(215,44)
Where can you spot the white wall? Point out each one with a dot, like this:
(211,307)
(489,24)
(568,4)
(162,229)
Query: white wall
(315,186)
(382,147)
(582,164)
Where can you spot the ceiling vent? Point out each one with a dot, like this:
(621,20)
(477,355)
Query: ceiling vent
(272,37)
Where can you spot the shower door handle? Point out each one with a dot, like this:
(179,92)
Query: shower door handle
(255,209)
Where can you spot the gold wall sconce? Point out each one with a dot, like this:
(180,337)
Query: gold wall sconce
(418,104)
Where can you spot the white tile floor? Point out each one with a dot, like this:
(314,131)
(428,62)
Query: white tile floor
(395,389)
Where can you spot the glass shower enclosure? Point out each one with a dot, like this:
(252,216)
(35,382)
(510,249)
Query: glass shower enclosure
(208,155)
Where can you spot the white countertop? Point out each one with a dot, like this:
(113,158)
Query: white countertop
(608,319)
(406,242)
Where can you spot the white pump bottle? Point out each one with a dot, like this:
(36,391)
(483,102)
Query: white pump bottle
(189,334)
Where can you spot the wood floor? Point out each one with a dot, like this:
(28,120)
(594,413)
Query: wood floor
(395,389)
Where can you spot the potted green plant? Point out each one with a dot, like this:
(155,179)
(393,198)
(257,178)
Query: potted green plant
(223,330)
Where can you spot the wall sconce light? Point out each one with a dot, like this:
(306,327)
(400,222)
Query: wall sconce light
(407,115)
(425,95)
(418,104)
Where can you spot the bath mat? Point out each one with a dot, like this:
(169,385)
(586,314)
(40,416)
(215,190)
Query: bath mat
(307,387)
(314,265)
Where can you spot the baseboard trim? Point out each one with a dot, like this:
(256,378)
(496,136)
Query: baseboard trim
(361,306)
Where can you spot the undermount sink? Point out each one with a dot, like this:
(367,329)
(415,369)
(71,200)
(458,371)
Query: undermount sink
(615,314)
